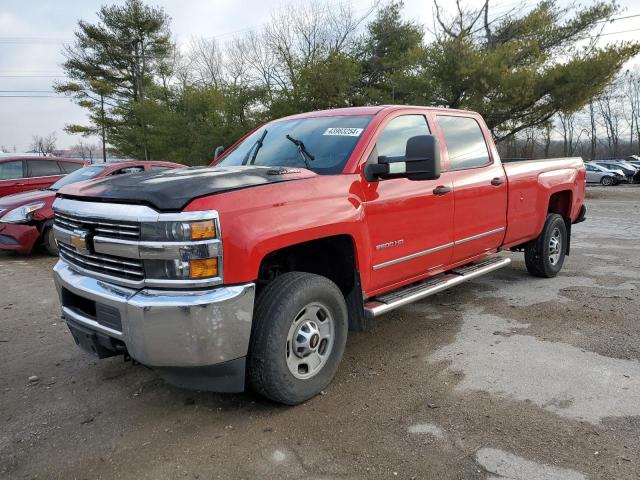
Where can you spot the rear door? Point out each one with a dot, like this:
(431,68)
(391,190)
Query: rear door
(42,173)
(479,186)
(11,177)
(410,223)
(593,174)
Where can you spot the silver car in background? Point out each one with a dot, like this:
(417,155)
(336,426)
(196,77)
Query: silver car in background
(604,176)
(629,170)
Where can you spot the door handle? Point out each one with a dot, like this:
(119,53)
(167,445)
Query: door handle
(497,181)
(441,190)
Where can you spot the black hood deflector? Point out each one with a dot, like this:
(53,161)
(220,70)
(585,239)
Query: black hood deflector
(172,190)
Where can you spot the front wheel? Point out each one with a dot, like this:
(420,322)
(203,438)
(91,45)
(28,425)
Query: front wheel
(298,338)
(50,242)
(606,181)
(544,256)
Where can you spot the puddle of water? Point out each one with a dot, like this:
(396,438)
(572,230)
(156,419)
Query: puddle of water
(426,310)
(506,465)
(524,291)
(496,357)
(427,428)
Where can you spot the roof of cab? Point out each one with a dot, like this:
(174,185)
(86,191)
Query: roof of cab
(370,110)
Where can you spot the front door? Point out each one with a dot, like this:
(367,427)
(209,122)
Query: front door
(479,185)
(410,222)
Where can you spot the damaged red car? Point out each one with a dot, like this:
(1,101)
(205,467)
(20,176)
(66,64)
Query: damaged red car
(26,218)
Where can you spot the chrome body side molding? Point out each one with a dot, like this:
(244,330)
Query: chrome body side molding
(437,249)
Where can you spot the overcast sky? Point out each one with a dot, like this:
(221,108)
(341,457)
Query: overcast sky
(32,33)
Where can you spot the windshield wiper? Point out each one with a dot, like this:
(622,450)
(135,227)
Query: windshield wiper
(255,148)
(304,153)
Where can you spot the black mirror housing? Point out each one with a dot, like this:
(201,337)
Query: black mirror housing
(218,151)
(421,161)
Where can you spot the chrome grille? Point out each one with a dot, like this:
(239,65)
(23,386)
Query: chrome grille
(110,229)
(126,268)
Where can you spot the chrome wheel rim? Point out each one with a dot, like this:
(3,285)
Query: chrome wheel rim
(555,246)
(310,341)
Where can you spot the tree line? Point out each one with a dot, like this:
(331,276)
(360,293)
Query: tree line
(608,126)
(149,98)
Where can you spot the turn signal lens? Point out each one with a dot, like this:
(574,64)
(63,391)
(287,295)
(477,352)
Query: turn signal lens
(203,230)
(204,268)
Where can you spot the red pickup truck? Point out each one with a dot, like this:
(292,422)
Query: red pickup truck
(251,272)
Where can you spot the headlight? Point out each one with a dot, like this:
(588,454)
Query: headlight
(179,231)
(194,269)
(22,214)
(197,255)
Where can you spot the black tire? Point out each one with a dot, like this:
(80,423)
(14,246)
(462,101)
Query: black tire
(538,252)
(607,181)
(277,308)
(49,242)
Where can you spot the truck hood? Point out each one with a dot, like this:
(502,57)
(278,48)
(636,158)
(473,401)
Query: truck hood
(16,200)
(172,190)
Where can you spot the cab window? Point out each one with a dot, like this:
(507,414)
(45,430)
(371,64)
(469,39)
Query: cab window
(42,168)
(69,167)
(11,170)
(465,142)
(393,139)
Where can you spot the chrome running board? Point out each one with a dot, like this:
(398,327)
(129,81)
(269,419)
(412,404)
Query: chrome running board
(417,291)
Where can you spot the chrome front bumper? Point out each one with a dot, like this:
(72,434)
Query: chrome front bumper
(196,328)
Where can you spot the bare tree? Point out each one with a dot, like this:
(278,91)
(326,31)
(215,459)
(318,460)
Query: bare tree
(86,150)
(302,34)
(206,61)
(610,113)
(44,145)
(631,93)
(571,133)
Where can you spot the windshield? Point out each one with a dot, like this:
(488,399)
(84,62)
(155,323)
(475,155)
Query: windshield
(322,144)
(86,173)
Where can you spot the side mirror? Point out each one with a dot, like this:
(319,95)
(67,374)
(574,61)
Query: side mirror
(218,151)
(421,162)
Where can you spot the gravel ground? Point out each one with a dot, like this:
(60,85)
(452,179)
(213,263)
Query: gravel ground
(507,376)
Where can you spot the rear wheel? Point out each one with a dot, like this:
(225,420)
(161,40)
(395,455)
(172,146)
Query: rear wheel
(50,242)
(544,256)
(298,338)
(606,181)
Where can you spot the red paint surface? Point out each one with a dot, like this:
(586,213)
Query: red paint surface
(257,221)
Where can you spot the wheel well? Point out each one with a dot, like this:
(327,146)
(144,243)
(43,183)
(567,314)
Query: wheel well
(332,257)
(560,203)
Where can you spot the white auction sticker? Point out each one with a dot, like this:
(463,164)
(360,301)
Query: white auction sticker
(343,131)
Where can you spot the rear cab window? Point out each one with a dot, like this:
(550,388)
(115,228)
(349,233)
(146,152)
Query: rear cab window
(43,168)
(466,145)
(11,170)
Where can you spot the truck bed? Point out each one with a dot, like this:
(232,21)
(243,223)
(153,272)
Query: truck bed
(531,184)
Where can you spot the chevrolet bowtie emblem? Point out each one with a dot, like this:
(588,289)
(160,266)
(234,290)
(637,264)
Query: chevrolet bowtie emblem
(79,240)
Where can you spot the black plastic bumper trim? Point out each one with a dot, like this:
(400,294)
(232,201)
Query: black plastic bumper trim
(226,377)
